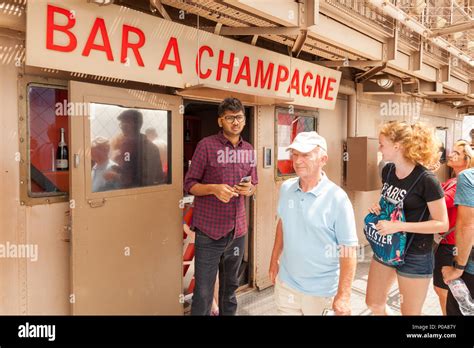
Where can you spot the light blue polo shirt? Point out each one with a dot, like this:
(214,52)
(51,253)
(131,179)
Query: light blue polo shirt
(314,224)
(465,196)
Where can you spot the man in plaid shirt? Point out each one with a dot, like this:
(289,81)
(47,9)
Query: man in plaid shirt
(219,164)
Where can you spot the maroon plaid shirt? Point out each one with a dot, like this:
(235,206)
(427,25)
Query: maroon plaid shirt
(216,161)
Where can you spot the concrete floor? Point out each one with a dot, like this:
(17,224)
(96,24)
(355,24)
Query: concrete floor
(261,302)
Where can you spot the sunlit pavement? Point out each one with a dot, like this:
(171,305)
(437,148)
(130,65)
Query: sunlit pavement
(261,302)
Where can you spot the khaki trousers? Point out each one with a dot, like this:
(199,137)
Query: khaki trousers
(292,302)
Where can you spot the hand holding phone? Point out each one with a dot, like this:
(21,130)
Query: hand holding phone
(245,179)
(244,187)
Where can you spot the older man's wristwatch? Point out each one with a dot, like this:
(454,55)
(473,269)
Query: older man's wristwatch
(458,266)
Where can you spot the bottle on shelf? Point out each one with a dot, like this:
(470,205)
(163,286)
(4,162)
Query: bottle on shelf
(462,295)
(62,154)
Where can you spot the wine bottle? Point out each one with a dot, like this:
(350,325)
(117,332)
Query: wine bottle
(62,154)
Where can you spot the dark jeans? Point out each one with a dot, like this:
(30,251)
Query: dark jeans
(225,254)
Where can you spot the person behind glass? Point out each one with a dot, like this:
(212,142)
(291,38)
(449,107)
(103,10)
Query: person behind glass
(459,159)
(152,135)
(137,157)
(104,170)
(313,261)
(463,264)
(219,217)
(409,149)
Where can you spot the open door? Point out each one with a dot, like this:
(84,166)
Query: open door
(126,255)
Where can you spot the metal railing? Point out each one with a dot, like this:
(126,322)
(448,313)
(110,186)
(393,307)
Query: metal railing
(367,14)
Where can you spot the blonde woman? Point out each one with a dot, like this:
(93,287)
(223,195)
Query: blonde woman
(409,149)
(462,157)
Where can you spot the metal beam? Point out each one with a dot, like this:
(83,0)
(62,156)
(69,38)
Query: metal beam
(254,40)
(156,4)
(299,43)
(307,13)
(218,28)
(416,58)
(445,71)
(352,63)
(427,87)
(455,28)
(390,48)
(261,31)
(448,96)
(369,73)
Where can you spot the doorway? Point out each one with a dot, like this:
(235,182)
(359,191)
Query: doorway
(200,121)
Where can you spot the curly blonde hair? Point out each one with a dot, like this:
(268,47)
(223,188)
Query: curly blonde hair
(418,141)
(468,152)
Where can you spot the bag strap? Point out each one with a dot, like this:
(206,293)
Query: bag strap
(423,173)
(452,229)
(413,234)
(391,165)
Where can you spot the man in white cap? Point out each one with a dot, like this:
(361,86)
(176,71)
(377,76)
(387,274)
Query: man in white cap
(313,261)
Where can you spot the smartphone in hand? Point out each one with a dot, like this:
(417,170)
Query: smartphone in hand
(245,179)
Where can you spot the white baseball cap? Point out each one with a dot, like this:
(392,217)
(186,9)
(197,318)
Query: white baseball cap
(307,141)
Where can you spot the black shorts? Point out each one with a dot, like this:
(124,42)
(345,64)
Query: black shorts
(452,307)
(443,257)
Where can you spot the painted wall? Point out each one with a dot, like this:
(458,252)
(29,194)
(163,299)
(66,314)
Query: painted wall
(27,286)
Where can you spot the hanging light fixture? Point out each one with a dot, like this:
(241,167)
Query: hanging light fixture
(385,83)
(101,2)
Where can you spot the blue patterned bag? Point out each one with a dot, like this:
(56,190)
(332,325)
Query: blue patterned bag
(390,249)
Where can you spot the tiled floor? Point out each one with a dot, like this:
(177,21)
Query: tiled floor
(261,302)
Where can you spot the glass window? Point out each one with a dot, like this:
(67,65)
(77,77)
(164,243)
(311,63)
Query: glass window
(129,147)
(47,125)
(289,124)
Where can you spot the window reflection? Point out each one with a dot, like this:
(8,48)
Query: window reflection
(123,155)
(45,121)
(289,125)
